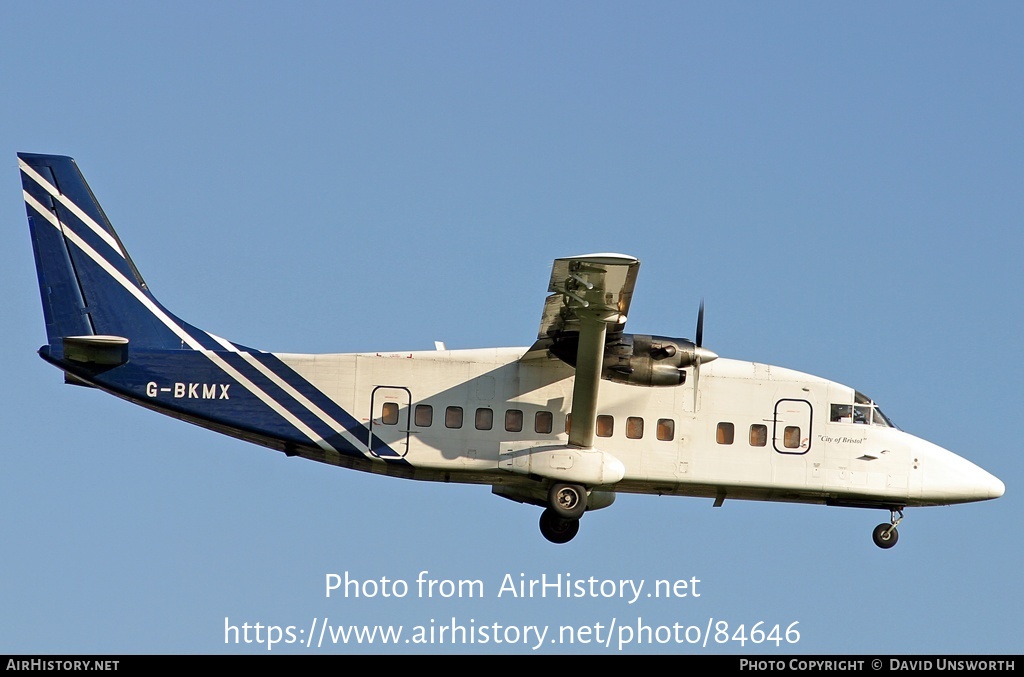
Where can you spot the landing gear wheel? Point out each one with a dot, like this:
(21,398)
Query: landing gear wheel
(568,500)
(556,528)
(885,536)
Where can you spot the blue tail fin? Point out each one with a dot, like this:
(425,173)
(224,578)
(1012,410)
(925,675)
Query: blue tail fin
(88,283)
(105,329)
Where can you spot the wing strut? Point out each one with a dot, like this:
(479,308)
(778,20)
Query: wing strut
(589,361)
(591,292)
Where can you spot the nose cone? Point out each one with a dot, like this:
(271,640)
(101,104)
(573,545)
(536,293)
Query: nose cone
(996,488)
(949,478)
(705,355)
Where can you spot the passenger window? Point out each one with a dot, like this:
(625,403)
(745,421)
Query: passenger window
(634,427)
(666,429)
(542,422)
(513,420)
(484,419)
(758,435)
(726,433)
(791,437)
(605,426)
(424,415)
(453,417)
(389,413)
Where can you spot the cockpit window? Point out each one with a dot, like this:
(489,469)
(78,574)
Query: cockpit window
(881,419)
(863,411)
(842,413)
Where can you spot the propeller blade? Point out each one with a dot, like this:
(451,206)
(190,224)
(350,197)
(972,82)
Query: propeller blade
(700,325)
(696,379)
(699,341)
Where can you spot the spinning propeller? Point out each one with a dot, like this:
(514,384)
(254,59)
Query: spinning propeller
(700,354)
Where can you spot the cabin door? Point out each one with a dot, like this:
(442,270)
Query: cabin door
(792,465)
(389,421)
(792,430)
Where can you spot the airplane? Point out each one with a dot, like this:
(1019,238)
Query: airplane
(586,412)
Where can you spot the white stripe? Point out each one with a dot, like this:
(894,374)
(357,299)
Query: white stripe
(288,388)
(107,237)
(173,326)
(86,219)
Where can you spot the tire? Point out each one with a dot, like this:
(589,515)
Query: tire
(568,500)
(558,529)
(883,537)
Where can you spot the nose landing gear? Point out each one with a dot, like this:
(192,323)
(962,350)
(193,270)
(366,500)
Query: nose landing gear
(885,535)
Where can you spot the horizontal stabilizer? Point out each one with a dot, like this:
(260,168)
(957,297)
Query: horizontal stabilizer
(109,351)
(72,380)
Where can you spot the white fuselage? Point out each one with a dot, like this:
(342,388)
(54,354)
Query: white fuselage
(760,432)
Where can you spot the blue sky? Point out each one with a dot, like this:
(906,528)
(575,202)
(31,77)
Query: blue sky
(841,183)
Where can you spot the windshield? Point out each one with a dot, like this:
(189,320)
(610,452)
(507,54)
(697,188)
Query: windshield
(862,411)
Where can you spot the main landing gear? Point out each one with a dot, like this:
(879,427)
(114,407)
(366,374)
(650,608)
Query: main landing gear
(885,535)
(560,521)
(558,529)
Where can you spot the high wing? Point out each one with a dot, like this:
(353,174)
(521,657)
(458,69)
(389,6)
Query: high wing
(591,294)
(583,325)
(594,283)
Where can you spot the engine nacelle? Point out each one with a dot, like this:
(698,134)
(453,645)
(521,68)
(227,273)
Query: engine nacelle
(637,359)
